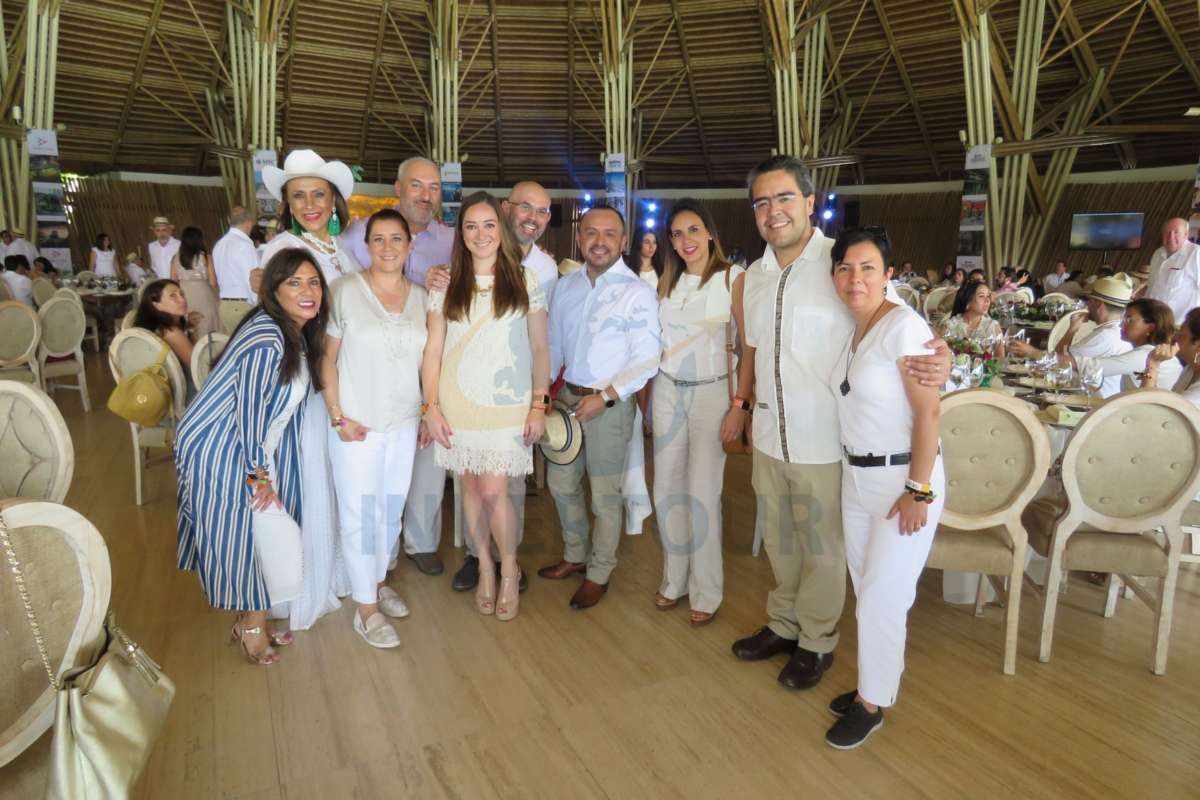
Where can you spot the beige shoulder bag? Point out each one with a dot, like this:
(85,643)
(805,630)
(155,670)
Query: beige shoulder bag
(108,715)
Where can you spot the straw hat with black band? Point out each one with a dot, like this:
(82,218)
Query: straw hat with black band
(1114,290)
(563,438)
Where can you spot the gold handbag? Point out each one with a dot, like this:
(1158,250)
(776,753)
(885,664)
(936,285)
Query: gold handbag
(143,397)
(108,715)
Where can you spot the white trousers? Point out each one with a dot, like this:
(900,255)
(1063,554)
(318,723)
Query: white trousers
(423,514)
(689,469)
(884,567)
(372,479)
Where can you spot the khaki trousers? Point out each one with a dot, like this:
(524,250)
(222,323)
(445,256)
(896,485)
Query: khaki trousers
(231,313)
(689,469)
(800,514)
(605,442)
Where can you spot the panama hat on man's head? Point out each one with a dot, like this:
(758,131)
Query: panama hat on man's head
(1115,290)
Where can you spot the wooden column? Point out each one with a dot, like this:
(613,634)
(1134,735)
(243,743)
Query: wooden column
(443,79)
(26,101)
(976,54)
(616,66)
(780,18)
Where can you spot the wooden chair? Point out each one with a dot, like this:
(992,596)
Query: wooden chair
(63,327)
(135,349)
(1130,470)
(43,290)
(93,324)
(996,455)
(20,332)
(939,302)
(204,354)
(1057,297)
(37,458)
(1060,330)
(69,581)
(909,295)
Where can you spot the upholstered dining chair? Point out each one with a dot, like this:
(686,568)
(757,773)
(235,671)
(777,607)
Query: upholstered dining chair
(996,456)
(86,276)
(93,324)
(60,353)
(1060,330)
(127,320)
(37,458)
(43,290)
(1008,297)
(1129,472)
(1026,295)
(204,354)
(1057,297)
(939,302)
(910,296)
(134,349)
(918,283)
(5,292)
(20,332)
(68,578)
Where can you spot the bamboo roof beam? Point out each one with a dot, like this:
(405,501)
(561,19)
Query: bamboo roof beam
(376,68)
(1177,43)
(683,49)
(498,104)
(136,78)
(898,58)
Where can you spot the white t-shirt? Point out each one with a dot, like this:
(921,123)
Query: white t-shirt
(161,255)
(693,320)
(379,362)
(20,286)
(542,266)
(1175,279)
(875,415)
(1102,342)
(105,262)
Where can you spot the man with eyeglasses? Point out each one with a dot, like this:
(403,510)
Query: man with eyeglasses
(795,326)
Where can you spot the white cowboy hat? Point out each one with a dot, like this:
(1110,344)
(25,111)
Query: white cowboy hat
(307,164)
(563,438)
(1116,290)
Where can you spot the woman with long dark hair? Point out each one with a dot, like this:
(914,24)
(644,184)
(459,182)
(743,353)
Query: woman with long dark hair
(163,310)
(650,257)
(969,317)
(486,380)
(193,270)
(699,299)
(237,451)
(102,259)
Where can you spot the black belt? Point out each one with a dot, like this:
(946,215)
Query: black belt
(871,460)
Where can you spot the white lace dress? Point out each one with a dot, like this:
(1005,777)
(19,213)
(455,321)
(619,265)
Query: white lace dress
(486,385)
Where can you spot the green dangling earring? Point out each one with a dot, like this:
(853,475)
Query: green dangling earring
(335,224)
(296,229)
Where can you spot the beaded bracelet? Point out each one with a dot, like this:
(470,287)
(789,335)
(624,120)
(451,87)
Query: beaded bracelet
(920,497)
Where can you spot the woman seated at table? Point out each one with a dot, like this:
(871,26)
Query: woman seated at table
(1147,324)
(1182,353)
(42,268)
(164,312)
(969,318)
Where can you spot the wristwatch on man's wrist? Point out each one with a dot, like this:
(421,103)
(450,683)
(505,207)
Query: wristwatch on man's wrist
(609,402)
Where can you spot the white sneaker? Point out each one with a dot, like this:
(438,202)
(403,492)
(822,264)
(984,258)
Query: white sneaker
(376,631)
(391,604)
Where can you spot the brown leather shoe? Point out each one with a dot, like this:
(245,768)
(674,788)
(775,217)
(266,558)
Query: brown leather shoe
(561,570)
(588,594)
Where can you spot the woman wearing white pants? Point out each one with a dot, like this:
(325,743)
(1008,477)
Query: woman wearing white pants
(699,299)
(892,480)
(376,337)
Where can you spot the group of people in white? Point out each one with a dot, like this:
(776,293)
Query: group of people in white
(382,354)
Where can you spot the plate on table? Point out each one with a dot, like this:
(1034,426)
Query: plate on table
(1042,325)
(1050,416)
(1073,400)
(1034,383)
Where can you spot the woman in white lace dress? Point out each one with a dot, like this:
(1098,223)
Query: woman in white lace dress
(485,377)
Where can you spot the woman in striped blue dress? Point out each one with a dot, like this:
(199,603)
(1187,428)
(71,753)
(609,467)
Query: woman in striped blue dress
(238,446)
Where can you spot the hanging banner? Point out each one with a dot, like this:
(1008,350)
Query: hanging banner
(267,205)
(451,191)
(974,206)
(614,181)
(51,235)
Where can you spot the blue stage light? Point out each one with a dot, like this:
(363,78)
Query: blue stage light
(650,222)
(827,214)
(587,197)
(652,206)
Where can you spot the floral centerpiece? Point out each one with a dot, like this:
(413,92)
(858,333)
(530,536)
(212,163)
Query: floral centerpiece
(975,356)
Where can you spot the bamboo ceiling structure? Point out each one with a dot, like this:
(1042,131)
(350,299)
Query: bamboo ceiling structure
(354,82)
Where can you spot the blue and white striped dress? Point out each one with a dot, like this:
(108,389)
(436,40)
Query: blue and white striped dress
(220,440)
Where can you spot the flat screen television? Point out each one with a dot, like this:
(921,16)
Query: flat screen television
(1107,231)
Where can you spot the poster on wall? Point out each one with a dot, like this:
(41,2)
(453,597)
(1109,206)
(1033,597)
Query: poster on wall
(974,208)
(1194,217)
(51,235)
(614,181)
(451,191)
(267,206)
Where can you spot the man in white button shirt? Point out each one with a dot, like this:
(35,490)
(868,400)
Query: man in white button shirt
(1175,270)
(234,256)
(1106,303)
(163,248)
(19,246)
(795,326)
(604,332)
(16,275)
(1056,278)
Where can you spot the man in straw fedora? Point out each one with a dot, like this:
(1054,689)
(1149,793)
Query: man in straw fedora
(1106,303)
(163,248)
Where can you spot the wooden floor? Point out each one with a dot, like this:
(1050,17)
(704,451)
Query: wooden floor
(623,701)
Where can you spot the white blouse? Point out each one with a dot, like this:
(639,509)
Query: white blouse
(694,320)
(104,262)
(875,415)
(332,266)
(1126,364)
(650,278)
(379,361)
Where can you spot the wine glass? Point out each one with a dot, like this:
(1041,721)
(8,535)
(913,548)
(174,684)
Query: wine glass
(1091,375)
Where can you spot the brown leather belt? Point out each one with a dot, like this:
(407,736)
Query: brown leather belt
(580,391)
